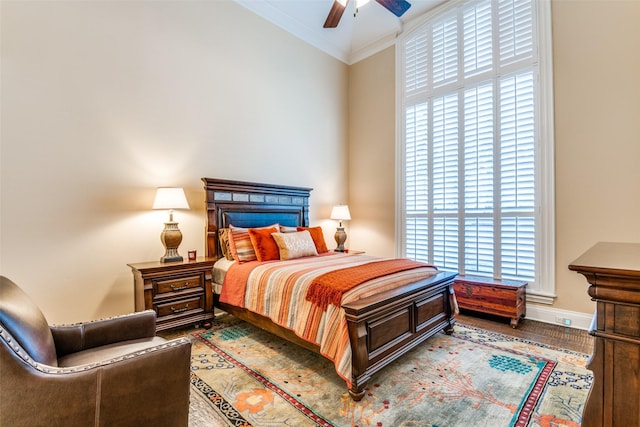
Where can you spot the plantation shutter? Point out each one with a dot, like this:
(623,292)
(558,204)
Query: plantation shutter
(470,134)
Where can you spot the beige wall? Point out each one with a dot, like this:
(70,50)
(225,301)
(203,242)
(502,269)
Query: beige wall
(104,101)
(597,134)
(597,114)
(372,154)
(111,99)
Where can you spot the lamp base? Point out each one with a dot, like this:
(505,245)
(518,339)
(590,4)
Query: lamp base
(340,237)
(170,258)
(171,238)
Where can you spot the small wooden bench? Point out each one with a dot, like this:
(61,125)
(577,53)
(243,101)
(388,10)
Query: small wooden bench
(506,298)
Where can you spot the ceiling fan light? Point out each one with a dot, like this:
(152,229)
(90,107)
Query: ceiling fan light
(360,3)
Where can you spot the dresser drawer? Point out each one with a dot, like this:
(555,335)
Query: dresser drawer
(182,306)
(177,284)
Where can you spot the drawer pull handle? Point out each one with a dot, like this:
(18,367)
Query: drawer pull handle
(180,310)
(179,288)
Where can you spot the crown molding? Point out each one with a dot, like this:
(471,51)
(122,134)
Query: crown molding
(372,48)
(338,44)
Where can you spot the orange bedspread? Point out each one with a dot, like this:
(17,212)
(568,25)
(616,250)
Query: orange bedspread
(278,290)
(328,288)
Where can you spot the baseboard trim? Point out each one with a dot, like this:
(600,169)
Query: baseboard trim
(556,316)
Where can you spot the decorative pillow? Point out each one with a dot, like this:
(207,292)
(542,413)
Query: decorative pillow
(223,236)
(295,245)
(285,229)
(263,243)
(318,238)
(240,243)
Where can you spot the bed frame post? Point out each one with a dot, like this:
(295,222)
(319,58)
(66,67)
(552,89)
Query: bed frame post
(359,362)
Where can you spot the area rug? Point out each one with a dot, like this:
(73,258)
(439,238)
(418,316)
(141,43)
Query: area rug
(471,378)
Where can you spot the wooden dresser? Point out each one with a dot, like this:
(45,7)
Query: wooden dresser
(613,272)
(179,292)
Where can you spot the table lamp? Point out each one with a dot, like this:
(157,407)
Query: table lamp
(341,213)
(171,198)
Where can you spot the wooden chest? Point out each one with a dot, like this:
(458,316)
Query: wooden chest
(505,298)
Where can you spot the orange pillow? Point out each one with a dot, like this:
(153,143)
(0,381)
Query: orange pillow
(318,238)
(241,245)
(263,243)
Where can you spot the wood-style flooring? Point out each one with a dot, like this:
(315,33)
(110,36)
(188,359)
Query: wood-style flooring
(546,333)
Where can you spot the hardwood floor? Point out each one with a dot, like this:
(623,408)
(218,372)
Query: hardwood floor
(546,333)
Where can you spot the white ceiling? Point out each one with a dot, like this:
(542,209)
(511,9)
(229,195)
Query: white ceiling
(371,30)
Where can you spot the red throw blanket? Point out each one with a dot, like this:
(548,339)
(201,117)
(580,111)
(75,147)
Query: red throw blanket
(328,288)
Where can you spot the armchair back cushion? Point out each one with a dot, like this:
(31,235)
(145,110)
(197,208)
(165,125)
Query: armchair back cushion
(26,323)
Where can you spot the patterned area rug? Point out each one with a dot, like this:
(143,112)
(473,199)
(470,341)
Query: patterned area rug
(472,378)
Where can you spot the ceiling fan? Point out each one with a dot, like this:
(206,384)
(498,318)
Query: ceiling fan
(397,7)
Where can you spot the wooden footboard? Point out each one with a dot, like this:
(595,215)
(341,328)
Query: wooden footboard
(382,327)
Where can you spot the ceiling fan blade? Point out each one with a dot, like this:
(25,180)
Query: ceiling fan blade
(397,7)
(335,14)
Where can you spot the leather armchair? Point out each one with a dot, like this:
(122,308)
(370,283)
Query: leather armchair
(109,372)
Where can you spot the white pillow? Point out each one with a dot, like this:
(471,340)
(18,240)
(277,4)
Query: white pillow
(287,229)
(295,245)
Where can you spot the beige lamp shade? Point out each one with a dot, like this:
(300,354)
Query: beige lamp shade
(171,198)
(341,213)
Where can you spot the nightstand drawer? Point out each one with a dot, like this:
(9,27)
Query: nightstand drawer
(178,284)
(179,292)
(180,307)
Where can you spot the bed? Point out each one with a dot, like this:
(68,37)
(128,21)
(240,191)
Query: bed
(381,327)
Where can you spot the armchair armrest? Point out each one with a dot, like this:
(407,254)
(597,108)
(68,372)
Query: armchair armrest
(82,336)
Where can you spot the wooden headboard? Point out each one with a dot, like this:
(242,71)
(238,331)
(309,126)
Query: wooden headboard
(251,204)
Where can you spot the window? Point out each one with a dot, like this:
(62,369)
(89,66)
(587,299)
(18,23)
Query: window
(476,141)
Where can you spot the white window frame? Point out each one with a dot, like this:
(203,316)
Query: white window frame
(544,289)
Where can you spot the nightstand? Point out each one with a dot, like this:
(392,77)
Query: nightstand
(179,292)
